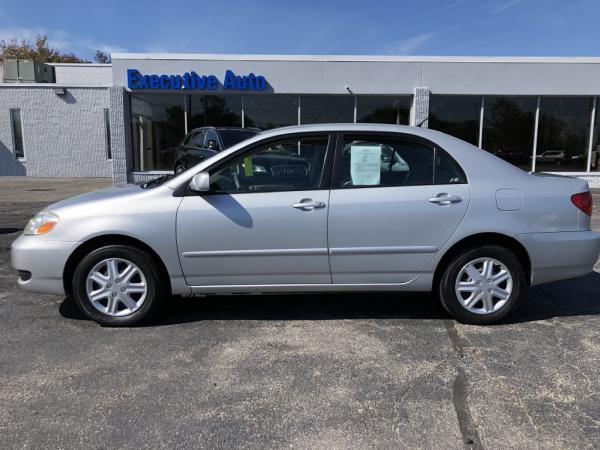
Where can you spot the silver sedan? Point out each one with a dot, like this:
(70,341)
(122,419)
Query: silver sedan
(318,208)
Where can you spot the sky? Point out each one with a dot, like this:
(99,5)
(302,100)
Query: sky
(375,27)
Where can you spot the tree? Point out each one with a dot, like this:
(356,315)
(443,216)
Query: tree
(102,58)
(38,51)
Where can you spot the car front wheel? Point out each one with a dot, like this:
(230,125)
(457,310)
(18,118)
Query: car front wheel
(117,285)
(482,285)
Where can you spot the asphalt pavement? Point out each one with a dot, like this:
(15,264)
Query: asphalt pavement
(295,371)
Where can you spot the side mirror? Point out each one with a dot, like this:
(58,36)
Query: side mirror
(212,145)
(200,182)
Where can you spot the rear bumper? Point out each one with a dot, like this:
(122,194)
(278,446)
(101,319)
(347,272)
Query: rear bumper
(560,256)
(44,259)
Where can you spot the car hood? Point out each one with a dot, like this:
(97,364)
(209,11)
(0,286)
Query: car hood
(111,193)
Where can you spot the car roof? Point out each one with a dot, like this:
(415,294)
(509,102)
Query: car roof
(257,130)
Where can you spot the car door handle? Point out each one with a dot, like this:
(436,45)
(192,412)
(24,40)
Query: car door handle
(445,199)
(307,204)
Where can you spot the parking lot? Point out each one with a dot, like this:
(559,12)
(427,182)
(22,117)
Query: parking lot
(296,371)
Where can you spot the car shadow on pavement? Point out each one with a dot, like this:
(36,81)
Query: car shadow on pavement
(580,297)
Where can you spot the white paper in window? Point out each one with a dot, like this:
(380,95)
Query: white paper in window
(365,164)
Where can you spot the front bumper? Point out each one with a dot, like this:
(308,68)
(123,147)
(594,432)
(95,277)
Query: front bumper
(562,255)
(44,259)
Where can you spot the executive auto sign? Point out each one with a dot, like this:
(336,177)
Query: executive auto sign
(192,81)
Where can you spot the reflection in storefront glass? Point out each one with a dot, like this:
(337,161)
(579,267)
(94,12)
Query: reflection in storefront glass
(215,111)
(563,135)
(508,128)
(157,127)
(270,111)
(383,109)
(326,109)
(456,115)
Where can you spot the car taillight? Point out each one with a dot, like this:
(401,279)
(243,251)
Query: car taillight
(583,201)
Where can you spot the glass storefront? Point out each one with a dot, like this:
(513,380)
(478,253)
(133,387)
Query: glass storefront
(383,109)
(157,127)
(270,111)
(215,111)
(595,158)
(563,136)
(326,109)
(456,115)
(509,128)
(158,122)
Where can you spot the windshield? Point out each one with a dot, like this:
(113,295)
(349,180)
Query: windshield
(232,137)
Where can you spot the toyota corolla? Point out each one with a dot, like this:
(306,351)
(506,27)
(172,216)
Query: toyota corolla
(319,208)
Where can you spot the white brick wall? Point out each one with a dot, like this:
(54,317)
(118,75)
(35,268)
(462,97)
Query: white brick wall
(63,136)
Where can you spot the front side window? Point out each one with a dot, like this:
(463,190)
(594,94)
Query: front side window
(368,161)
(197,141)
(286,165)
(17,129)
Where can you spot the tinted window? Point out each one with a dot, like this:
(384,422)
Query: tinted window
(232,137)
(157,123)
(17,129)
(563,137)
(456,115)
(383,109)
(327,109)
(270,111)
(383,161)
(197,140)
(211,135)
(508,128)
(215,111)
(288,165)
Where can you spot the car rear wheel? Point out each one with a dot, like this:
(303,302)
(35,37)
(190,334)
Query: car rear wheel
(482,285)
(117,285)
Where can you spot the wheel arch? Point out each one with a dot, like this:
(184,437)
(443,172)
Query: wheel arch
(480,239)
(111,239)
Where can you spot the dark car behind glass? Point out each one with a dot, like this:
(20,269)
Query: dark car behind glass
(202,143)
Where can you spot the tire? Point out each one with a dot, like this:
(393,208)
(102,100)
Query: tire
(124,301)
(490,300)
(179,168)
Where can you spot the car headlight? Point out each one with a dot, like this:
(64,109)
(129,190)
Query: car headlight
(42,223)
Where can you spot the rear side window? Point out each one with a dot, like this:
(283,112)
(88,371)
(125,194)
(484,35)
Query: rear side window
(388,161)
